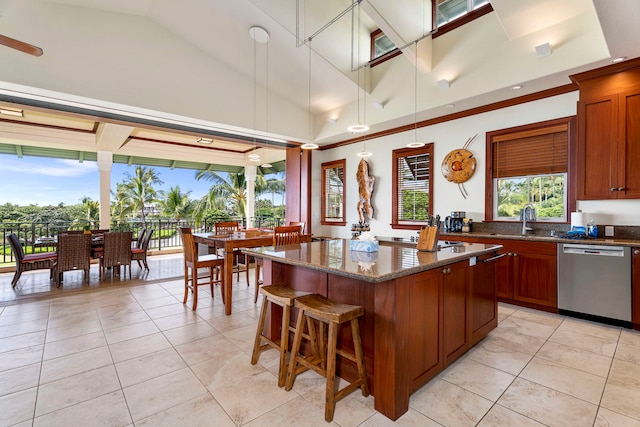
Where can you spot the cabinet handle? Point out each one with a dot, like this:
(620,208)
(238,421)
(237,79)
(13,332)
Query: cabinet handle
(636,252)
(614,189)
(515,254)
(621,188)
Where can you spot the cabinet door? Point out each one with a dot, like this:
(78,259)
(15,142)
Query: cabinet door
(635,289)
(425,345)
(483,306)
(504,280)
(597,148)
(629,172)
(534,278)
(455,286)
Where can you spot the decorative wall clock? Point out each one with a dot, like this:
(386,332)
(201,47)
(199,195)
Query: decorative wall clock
(459,166)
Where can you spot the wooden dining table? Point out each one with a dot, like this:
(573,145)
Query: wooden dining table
(229,243)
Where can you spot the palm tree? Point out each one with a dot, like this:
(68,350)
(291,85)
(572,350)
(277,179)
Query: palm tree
(176,204)
(120,207)
(275,186)
(91,212)
(231,189)
(138,191)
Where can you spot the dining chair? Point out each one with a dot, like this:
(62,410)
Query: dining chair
(74,253)
(38,261)
(230,227)
(283,235)
(193,262)
(141,237)
(116,253)
(299,224)
(140,253)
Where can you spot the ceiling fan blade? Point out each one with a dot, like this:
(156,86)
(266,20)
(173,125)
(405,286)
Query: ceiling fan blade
(21,46)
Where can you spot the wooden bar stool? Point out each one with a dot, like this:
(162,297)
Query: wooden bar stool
(334,314)
(284,297)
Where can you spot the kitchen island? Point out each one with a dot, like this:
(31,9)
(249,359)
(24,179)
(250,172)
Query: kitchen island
(422,310)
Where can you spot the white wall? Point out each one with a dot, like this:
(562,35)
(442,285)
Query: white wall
(447,197)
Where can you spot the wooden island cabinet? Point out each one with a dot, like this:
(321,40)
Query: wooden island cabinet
(422,310)
(635,288)
(527,275)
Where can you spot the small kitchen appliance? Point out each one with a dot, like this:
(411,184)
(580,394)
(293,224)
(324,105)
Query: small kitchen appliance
(454,223)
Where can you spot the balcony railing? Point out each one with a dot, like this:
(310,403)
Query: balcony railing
(166,232)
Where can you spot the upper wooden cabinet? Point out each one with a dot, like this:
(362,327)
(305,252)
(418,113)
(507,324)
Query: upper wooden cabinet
(609,132)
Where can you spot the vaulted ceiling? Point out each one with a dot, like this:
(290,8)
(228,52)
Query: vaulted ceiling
(160,70)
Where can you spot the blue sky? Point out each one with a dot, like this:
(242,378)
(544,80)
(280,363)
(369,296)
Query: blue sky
(44,181)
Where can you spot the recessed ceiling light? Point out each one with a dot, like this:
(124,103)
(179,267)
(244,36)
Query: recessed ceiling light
(266,165)
(254,156)
(309,146)
(516,87)
(616,60)
(358,128)
(11,112)
(204,140)
(450,105)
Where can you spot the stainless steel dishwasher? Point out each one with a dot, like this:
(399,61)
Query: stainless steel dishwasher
(595,280)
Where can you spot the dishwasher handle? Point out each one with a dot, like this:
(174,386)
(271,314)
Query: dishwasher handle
(597,250)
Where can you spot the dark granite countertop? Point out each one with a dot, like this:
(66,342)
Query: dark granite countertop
(389,262)
(408,242)
(610,241)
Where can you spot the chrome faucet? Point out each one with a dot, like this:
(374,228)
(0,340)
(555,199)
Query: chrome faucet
(527,213)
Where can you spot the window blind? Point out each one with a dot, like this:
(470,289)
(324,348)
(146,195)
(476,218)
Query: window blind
(334,190)
(535,153)
(413,187)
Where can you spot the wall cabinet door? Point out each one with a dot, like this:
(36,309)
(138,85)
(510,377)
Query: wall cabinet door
(609,146)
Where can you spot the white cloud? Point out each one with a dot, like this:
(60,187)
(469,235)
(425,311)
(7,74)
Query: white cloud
(54,167)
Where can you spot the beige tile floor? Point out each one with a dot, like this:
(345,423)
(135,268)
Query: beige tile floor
(126,353)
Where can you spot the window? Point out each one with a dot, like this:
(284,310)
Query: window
(450,10)
(412,187)
(333,195)
(382,48)
(451,14)
(529,165)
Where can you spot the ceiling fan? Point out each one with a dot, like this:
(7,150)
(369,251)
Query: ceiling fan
(21,46)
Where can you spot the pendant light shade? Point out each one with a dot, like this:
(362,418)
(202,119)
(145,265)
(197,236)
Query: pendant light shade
(415,143)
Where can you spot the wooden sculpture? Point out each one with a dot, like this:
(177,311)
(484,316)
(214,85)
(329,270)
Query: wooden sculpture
(365,190)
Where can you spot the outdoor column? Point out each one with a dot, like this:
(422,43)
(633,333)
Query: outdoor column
(250,175)
(105,161)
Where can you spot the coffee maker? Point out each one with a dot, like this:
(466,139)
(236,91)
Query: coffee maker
(453,223)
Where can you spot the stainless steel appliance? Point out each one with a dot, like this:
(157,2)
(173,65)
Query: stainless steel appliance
(595,280)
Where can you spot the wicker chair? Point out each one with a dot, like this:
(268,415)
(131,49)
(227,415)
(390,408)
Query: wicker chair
(193,262)
(141,237)
(40,261)
(140,253)
(117,253)
(74,253)
(285,235)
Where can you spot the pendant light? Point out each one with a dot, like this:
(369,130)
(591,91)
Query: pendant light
(309,145)
(259,35)
(415,143)
(364,152)
(359,127)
